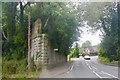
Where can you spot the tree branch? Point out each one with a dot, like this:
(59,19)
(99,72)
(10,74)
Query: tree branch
(46,22)
(25,5)
(106,30)
(4,35)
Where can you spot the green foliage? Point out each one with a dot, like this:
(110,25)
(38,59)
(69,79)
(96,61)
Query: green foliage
(104,17)
(104,59)
(86,44)
(32,65)
(13,67)
(38,66)
(61,29)
(61,26)
(118,53)
(109,47)
(74,52)
(100,53)
(18,69)
(92,12)
(77,50)
(16,44)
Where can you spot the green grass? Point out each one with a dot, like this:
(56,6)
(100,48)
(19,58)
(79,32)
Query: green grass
(0,66)
(103,59)
(106,60)
(18,69)
(23,75)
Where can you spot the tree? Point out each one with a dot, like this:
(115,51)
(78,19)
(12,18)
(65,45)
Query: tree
(104,18)
(9,25)
(74,52)
(86,44)
(77,50)
(59,22)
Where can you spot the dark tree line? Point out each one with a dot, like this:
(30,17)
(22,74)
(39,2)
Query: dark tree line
(58,21)
(104,16)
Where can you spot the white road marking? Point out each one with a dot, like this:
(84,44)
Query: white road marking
(89,67)
(87,64)
(94,67)
(108,74)
(97,74)
(71,67)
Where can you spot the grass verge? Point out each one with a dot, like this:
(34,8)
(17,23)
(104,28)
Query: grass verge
(23,75)
(18,69)
(105,60)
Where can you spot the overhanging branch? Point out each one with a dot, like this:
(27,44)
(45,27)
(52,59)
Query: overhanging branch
(4,35)
(46,22)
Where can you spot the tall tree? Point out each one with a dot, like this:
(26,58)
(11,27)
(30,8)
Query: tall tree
(77,50)
(9,26)
(104,18)
(59,22)
(86,44)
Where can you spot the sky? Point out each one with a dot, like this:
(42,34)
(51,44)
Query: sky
(94,38)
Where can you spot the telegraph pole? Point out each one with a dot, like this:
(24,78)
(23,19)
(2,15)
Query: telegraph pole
(29,52)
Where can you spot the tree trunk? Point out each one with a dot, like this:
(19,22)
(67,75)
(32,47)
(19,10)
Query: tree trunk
(21,14)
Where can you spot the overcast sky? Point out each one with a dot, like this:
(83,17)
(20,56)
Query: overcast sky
(93,38)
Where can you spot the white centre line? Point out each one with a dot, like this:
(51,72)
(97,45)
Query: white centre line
(89,67)
(94,67)
(87,64)
(97,74)
(71,67)
(108,74)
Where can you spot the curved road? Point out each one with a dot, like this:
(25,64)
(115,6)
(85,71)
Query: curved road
(82,68)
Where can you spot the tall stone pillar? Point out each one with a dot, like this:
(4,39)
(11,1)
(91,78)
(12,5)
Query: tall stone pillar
(41,51)
(36,41)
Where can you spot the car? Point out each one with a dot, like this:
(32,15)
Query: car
(87,57)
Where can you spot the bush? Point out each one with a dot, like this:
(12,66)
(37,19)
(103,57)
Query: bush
(32,65)
(22,65)
(38,66)
(13,67)
(9,67)
(104,59)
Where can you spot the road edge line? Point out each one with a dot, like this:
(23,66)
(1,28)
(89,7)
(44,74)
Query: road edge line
(97,74)
(64,71)
(109,74)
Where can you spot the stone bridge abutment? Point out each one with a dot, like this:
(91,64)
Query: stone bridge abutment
(41,50)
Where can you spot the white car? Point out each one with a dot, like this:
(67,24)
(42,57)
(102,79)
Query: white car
(87,57)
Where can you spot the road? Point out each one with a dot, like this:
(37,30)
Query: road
(82,68)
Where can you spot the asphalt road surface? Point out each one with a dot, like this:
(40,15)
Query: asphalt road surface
(82,68)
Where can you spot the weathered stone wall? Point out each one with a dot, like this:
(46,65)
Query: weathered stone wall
(41,50)
(54,58)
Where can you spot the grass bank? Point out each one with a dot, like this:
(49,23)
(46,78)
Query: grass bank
(22,75)
(106,61)
(18,69)
(0,66)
